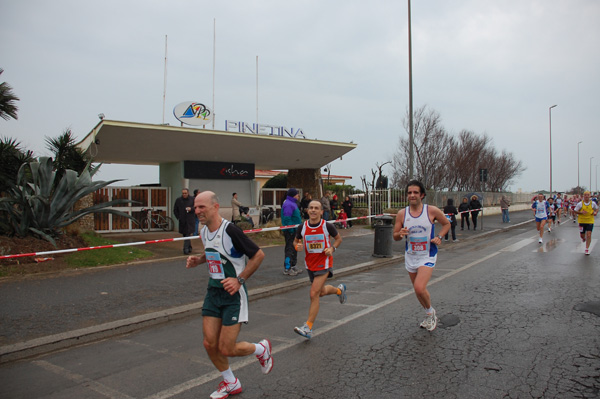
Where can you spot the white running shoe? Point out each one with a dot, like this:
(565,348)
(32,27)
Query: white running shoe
(266,360)
(342,296)
(304,331)
(587,251)
(540,241)
(430,322)
(226,389)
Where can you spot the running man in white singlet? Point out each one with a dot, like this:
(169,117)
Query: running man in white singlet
(540,211)
(415,222)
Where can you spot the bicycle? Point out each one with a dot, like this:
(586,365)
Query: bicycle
(155,219)
(267,214)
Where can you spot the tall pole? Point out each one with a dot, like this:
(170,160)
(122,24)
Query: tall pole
(214,58)
(257,94)
(591,173)
(411,156)
(165,83)
(578,163)
(550,117)
(596,178)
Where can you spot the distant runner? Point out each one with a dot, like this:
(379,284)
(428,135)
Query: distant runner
(586,209)
(540,211)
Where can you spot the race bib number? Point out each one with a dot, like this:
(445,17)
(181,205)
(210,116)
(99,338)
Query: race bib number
(315,244)
(215,266)
(418,245)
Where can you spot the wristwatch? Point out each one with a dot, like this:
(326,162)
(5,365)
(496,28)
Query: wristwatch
(440,237)
(241,280)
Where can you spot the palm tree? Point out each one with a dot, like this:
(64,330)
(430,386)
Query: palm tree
(12,156)
(66,153)
(8,109)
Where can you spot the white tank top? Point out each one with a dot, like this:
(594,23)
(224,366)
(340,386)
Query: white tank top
(421,231)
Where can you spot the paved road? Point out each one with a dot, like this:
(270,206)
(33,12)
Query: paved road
(51,312)
(518,320)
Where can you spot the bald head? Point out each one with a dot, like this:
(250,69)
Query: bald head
(206,206)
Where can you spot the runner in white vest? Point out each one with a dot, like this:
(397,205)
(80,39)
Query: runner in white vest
(415,222)
(540,211)
(226,302)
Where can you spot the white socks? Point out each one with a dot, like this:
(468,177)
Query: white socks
(259,349)
(228,376)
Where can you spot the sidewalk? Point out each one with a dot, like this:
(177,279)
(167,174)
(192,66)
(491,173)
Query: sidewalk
(41,315)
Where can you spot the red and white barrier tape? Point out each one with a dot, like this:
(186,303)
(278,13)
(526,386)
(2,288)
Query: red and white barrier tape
(129,244)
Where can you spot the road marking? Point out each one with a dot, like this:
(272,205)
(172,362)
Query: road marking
(580,248)
(188,385)
(518,245)
(79,379)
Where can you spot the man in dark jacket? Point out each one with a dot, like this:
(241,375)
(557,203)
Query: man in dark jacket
(463,209)
(450,212)
(475,207)
(184,212)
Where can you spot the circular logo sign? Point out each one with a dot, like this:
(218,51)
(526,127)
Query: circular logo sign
(193,113)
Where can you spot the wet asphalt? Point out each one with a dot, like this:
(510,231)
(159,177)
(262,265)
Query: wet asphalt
(50,312)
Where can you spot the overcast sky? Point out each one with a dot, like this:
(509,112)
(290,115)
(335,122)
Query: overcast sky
(336,69)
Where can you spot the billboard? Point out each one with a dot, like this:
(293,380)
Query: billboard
(193,113)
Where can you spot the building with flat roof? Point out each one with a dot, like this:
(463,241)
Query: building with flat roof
(221,161)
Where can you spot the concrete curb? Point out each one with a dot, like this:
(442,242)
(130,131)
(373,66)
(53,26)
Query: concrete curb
(51,343)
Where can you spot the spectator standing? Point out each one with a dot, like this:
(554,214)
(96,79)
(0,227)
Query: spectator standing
(450,212)
(304,205)
(235,207)
(463,208)
(197,224)
(290,215)
(334,206)
(347,206)
(475,207)
(504,204)
(326,206)
(184,213)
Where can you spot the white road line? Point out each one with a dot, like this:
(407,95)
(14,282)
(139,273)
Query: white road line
(79,379)
(581,246)
(518,245)
(188,385)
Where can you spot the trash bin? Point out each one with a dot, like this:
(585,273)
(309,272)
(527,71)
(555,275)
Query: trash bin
(383,237)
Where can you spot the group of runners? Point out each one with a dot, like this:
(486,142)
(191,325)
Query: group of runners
(232,258)
(579,209)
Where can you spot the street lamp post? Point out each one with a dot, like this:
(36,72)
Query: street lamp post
(591,173)
(578,164)
(596,178)
(550,119)
(411,156)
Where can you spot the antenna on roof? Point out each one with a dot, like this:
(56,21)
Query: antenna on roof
(165,83)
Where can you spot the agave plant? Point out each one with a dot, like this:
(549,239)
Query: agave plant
(44,207)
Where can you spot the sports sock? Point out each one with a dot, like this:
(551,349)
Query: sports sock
(339,292)
(259,349)
(309,325)
(228,376)
(430,310)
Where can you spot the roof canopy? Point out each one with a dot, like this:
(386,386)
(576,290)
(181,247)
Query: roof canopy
(148,144)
